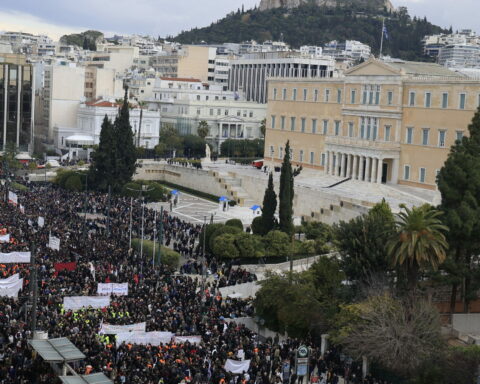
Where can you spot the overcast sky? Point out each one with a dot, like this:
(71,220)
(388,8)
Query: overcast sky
(164,17)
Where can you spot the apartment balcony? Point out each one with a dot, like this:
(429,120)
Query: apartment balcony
(360,146)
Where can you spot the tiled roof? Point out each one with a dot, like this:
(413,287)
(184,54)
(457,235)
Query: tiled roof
(103,104)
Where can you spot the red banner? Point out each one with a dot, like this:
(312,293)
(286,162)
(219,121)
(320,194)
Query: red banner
(68,266)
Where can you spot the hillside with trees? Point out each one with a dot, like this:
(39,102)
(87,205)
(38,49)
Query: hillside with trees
(85,40)
(309,24)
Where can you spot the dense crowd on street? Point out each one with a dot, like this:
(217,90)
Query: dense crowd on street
(94,249)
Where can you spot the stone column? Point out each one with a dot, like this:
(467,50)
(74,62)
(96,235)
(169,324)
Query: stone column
(342,165)
(380,171)
(368,169)
(330,163)
(361,167)
(395,170)
(349,165)
(374,170)
(355,168)
(338,165)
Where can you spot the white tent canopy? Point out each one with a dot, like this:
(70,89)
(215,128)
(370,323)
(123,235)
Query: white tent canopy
(80,139)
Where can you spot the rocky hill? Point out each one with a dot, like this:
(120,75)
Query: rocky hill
(309,24)
(376,4)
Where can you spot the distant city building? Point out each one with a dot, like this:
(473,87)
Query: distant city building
(460,56)
(184,103)
(349,49)
(249,73)
(88,125)
(252,47)
(16,103)
(311,50)
(432,44)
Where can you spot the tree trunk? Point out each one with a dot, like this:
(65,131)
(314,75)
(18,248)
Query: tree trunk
(412,278)
(453,300)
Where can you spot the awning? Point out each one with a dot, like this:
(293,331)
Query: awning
(57,350)
(255,207)
(223,198)
(80,139)
(95,378)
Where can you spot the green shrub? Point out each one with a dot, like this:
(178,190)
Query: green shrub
(234,223)
(277,244)
(249,246)
(322,248)
(210,229)
(306,247)
(224,246)
(221,231)
(257,226)
(166,257)
(73,183)
(17,186)
(63,176)
(156,191)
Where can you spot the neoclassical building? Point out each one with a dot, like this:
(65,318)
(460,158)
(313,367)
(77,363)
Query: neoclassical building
(382,122)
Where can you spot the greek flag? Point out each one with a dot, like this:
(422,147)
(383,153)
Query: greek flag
(385,32)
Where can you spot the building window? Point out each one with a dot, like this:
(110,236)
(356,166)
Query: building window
(411,99)
(441,138)
(198,97)
(324,158)
(362,128)
(250,114)
(294,94)
(458,136)
(409,138)
(280,152)
(284,94)
(273,121)
(304,94)
(314,125)
(211,112)
(387,133)
(315,95)
(292,123)
(461,103)
(301,156)
(422,175)
(428,99)
(226,112)
(337,128)
(325,127)
(327,95)
(274,93)
(445,100)
(406,172)
(353,96)
(219,112)
(377,95)
(239,112)
(350,129)
(390,98)
(282,119)
(375,128)
(425,134)
(272,151)
(365,94)
(198,111)
(312,157)
(339,96)
(303,125)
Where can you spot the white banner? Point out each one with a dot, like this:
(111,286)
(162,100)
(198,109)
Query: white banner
(237,367)
(22,208)
(5,238)
(77,302)
(144,338)
(110,329)
(12,198)
(112,289)
(54,243)
(40,221)
(15,257)
(190,339)
(11,286)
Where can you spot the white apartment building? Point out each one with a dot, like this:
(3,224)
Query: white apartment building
(350,49)
(249,73)
(460,56)
(184,103)
(433,43)
(89,119)
(311,50)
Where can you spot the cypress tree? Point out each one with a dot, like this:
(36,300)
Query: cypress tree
(102,170)
(269,206)
(126,155)
(286,194)
(459,184)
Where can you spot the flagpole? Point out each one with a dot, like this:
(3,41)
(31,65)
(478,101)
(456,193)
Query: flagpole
(381,40)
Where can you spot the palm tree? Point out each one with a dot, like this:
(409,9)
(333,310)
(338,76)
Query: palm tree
(418,243)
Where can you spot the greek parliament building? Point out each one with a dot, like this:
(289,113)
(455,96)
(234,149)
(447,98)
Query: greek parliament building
(382,122)
(16,102)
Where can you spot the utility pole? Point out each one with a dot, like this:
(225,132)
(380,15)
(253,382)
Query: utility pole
(381,40)
(34,287)
(108,210)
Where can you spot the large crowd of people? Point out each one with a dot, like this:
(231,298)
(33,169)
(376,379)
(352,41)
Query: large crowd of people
(94,251)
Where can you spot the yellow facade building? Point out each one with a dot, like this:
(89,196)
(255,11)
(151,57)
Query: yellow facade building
(382,122)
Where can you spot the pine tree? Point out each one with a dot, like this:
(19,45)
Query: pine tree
(286,194)
(459,184)
(269,207)
(102,170)
(126,155)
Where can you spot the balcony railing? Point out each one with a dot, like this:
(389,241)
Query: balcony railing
(362,143)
